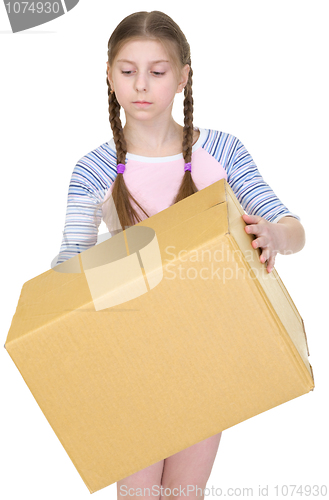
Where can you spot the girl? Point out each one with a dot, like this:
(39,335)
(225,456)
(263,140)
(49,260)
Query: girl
(153,162)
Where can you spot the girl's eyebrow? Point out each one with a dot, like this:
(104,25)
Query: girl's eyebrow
(132,62)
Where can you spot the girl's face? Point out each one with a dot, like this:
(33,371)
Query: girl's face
(145,81)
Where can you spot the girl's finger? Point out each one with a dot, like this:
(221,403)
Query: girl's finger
(265,255)
(251,218)
(270,263)
(260,242)
(252,229)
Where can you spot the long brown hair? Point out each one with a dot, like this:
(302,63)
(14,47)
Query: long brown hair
(158,26)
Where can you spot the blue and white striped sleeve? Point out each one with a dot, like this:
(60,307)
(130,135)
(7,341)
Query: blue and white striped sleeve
(253,193)
(83,217)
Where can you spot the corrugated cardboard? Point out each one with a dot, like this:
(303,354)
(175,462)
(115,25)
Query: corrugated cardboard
(158,338)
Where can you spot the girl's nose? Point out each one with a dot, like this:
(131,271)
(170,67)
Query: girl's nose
(140,83)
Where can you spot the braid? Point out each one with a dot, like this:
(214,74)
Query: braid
(120,193)
(116,126)
(187,186)
(188,120)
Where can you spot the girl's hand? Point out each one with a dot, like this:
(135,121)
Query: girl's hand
(271,237)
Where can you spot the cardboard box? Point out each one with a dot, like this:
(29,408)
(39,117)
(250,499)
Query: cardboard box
(158,338)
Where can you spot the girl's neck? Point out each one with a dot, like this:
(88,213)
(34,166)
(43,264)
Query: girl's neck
(149,141)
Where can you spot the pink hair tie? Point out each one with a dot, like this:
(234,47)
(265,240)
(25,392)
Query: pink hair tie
(187,167)
(121,168)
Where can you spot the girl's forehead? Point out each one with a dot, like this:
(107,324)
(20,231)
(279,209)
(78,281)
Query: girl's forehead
(143,50)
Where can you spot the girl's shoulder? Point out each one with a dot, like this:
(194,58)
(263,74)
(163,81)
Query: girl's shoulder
(103,154)
(95,170)
(214,139)
(222,146)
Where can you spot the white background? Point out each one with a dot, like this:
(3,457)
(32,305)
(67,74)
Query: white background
(261,74)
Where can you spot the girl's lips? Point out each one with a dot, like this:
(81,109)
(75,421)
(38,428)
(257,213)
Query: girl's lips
(142,104)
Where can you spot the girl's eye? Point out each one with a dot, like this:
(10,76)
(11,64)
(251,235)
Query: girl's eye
(156,73)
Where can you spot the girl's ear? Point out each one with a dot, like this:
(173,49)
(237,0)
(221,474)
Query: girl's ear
(109,73)
(184,78)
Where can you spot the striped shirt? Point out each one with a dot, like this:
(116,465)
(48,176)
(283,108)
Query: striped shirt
(154,183)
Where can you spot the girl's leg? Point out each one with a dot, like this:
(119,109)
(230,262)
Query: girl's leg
(145,478)
(189,469)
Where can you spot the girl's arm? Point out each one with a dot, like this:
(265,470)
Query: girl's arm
(83,216)
(286,236)
(277,229)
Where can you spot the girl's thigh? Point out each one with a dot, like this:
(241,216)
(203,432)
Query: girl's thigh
(145,478)
(191,466)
